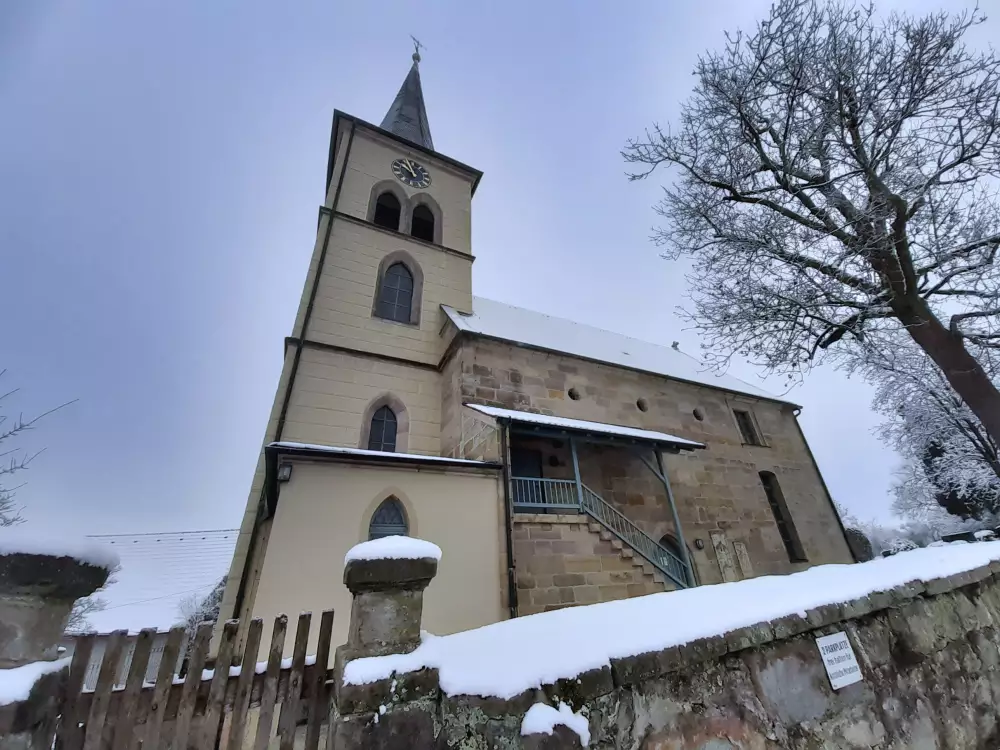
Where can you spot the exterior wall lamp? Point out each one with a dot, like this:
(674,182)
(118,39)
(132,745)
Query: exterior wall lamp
(284,472)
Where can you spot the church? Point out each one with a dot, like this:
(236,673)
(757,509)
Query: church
(555,464)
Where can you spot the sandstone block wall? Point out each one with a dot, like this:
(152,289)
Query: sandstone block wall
(718,490)
(564,560)
(929,655)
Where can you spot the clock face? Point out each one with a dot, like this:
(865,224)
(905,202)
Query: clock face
(411,173)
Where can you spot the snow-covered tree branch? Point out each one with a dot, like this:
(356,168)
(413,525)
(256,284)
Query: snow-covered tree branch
(834,180)
(950,461)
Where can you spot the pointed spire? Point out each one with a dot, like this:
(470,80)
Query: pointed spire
(407,117)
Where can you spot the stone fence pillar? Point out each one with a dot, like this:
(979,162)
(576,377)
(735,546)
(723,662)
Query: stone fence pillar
(385,619)
(388,604)
(37,593)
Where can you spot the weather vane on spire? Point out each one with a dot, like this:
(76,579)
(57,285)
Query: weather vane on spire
(417,46)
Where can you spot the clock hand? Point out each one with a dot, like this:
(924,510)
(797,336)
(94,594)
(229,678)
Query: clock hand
(406,163)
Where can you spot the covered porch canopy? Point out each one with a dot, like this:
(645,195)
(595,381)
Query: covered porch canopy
(537,494)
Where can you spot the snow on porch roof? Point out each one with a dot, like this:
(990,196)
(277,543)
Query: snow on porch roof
(538,330)
(582,425)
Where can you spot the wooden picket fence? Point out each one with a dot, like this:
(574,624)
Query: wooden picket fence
(202,711)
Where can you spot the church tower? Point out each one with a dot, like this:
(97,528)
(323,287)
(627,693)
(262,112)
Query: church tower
(362,364)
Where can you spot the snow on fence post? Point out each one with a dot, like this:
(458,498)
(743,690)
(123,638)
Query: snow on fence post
(39,582)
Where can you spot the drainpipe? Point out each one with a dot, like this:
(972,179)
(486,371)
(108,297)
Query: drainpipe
(508,516)
(242,590)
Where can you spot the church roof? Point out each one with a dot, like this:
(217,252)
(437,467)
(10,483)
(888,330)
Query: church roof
(540,331)
(407,117)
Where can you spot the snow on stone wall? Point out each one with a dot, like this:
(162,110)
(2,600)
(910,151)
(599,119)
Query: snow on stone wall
(927,643)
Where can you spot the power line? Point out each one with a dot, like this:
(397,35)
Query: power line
(157,598)
(163,533)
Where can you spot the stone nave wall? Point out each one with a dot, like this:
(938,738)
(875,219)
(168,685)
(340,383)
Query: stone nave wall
(929,654)
(719,495)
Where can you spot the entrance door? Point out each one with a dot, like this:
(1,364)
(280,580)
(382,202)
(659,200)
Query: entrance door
(526,463)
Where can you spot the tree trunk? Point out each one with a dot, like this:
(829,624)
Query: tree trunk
(960,368)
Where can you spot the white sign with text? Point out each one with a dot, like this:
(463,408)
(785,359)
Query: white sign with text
(838,657)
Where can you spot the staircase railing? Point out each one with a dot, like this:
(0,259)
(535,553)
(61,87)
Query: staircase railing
(655,553)
(533,495)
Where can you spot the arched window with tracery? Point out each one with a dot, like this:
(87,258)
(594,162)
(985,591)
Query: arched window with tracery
(389,519)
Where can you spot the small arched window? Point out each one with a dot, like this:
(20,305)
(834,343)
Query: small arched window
(388,520)
(786,526)
(387,211)
(382,435)
(422,223)
(395,298)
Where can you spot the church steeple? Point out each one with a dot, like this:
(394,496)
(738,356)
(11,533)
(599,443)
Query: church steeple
(407,117)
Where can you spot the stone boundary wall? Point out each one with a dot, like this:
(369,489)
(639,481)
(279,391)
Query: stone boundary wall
(929,653)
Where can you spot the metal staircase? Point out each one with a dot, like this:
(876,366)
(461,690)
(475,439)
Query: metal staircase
(532,495)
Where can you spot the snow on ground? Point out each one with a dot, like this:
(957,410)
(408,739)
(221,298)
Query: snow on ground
(19,540)
(507,658)
(393,548)
(15,684)
(543,719)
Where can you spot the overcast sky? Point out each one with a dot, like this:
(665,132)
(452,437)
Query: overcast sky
(160,171)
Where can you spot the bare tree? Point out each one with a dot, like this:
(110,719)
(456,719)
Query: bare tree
(14,460)
(195,609)
(834,181)
(79,616)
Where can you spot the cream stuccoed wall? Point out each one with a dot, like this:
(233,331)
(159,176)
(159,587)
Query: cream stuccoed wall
(325,509)
(333,389)
(342,310)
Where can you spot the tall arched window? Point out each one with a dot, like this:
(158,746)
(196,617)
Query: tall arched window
(382,435)
(786,526)
(395,297)
(387,211)
(422,223)
(389,519)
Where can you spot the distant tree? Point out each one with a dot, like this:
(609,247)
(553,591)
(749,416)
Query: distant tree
(195,610)
(835,180)
(79,621)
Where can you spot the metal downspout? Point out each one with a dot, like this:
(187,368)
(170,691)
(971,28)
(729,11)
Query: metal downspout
(508,515)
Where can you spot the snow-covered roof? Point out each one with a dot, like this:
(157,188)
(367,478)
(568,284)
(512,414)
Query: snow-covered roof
(583,425)
(506,658)
(158,571)
(385,455)
(541,331)
(394,548)
(23,540)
